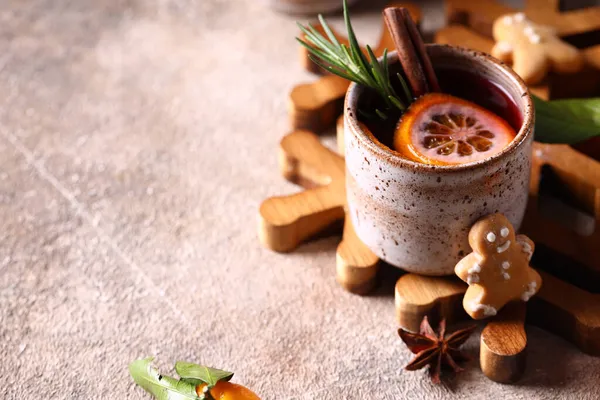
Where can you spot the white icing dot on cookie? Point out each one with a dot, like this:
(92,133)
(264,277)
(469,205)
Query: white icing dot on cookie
(474,269)
(529,30)
(505,264)
(504,232)
(535,39)
(526,247)
(488,310)
(504,47)
(473,276)
(506,276)
(491,237)
(530,291)
(520,17)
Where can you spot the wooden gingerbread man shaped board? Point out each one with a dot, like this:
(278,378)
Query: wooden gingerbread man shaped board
(287,221)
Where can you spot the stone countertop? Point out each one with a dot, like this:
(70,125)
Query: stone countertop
(137,139)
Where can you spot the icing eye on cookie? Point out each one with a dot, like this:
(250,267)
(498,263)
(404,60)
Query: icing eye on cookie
(491,237)
(504,232)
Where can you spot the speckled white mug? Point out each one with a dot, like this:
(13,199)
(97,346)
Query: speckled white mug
(417,216)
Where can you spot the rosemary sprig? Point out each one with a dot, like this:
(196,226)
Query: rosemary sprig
(352,64)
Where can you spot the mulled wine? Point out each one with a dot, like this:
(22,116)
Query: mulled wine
(477,120)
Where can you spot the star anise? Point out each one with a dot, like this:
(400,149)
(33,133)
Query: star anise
(434,350)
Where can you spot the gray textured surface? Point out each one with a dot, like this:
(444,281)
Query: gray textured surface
(137,139)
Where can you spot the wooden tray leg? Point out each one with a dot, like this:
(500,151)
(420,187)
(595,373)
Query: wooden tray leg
(356,265)
(435,297)
(503,342)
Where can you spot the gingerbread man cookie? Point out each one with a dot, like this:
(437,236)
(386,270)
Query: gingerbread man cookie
(533,49)
(497,270)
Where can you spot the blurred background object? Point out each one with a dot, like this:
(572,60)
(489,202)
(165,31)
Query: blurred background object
(301,7)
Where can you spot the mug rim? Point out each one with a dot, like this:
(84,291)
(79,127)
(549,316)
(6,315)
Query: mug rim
(396,158)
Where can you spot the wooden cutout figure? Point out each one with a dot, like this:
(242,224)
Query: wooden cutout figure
(287,221)
(497,271)
(315,106)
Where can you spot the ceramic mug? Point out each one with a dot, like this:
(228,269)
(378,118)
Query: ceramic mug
(417,216)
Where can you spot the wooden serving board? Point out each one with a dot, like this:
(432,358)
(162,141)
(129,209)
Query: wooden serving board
(561,307)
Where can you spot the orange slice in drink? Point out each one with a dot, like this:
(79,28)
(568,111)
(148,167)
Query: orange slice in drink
(439,129)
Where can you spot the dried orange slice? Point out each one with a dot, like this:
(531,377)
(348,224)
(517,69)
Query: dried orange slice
(440,129)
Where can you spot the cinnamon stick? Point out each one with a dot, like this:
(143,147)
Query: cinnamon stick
(406,51)
(421,51)
(412,54)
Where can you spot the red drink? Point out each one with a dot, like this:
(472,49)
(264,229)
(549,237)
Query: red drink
(462,85)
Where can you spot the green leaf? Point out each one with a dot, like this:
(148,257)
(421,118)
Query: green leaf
(198,374)
(161,387)
(566,121)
